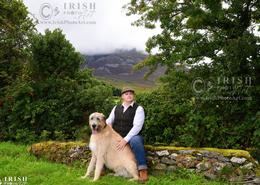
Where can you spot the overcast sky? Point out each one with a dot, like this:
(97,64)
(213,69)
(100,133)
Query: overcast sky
(103,25)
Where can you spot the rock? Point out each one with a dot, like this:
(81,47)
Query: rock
(238,172)
(238,160)
(248,166)
(162,153)
(236,179)
(210,154)
(152,160)
(210,175)
(185,152)
(212,160)
(72,150)
(171,168)
(203,166)
(160,166)
(173,156)
(221,158)
(251,180)
(256,180)
(74,155)
(166,160)
(188,162)
(149,158)
(199,157)
(218,166)
(150,153)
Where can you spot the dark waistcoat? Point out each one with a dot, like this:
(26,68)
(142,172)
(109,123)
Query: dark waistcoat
(123,122)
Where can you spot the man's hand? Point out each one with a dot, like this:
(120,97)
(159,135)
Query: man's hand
(121,144)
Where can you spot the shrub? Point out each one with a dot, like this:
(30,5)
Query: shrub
(174,114)
(52,95)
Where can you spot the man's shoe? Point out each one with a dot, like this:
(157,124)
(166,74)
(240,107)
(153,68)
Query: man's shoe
(143,175)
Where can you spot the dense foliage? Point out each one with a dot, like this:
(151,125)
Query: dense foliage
(175,115)
(15,30)
(210,94)
(51,97)
(43,93)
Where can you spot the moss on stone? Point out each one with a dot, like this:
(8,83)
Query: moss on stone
(58,151)
(257,172)
(224,152)
(45,148)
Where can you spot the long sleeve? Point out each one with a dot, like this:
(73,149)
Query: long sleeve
(137,123)
(110,120)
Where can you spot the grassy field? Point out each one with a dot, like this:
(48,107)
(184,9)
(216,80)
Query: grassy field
(139,87)
(15,161)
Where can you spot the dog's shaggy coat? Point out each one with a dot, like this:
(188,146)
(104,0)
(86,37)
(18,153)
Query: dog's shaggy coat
(103,142)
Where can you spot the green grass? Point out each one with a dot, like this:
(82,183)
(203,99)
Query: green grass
(138,86)
(16,161)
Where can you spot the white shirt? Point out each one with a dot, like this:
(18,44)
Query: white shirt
(137,123)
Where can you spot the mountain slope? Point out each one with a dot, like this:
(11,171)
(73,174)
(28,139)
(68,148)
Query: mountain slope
(119,66)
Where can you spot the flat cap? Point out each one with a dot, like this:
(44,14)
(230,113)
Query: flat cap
(127,89)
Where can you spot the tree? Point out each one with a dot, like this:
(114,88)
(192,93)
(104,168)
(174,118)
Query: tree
(53,56)
(50,97)
(193,30)
(15,30)
(223,33)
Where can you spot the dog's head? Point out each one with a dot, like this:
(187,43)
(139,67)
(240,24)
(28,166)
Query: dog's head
(97,122)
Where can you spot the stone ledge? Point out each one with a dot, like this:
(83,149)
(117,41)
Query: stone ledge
(229,164)
(224,152)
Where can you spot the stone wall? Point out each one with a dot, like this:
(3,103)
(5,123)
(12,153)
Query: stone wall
(231,165)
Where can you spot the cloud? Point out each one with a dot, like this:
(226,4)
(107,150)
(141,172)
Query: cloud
(112,29)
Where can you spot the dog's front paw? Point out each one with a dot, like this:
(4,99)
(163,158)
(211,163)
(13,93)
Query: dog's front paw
(94,180)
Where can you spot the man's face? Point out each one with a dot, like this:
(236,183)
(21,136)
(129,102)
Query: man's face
(128,96)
